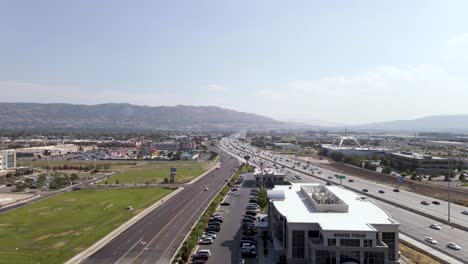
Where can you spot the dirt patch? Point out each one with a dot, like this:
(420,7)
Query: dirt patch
(88,228)
(70,200)
(64,233)
(5,225)
(42,237)
(59,244)
(108,206)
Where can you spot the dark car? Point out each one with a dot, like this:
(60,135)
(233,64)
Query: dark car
(199,257)
(213,228)
(217,219)
(365,190)
(424,202)
(9,184)
(251,238)
(253,201)
(436,202)
(225,204)
(77,188)
(381,191)
(351,180)
(328,183)
(396,190)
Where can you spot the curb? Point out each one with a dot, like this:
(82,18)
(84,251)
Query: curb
(20,201)
(205,173)
(406,240)
(103,241)
(198,219)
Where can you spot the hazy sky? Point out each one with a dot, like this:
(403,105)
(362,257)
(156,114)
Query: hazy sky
(338,61)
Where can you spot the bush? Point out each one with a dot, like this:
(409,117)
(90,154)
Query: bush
(387,170)
(370,166)
(337,156)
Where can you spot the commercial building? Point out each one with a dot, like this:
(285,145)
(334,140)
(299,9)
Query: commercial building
(268,177)
(189,156)
(169,145)
(314,223)
(188,145)
(422,164)
(53,150)
(286,146)
(7,159)
(350,146)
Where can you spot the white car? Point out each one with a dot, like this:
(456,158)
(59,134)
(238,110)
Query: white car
(465,212)
(430,240)
(206,241)
(436,227)
(209,235)
(453,246)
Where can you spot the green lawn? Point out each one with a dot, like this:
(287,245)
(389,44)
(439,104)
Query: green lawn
(156,171)
(58,228)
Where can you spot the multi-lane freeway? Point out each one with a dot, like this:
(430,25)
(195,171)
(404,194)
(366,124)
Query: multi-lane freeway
(413,224)
(156,237)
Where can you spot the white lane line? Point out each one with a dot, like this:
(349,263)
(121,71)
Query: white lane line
(128,251)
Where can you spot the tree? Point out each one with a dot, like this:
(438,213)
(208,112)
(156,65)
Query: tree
(166,180)
(105,182)
(353,160)
(41,179)
(117,182)
(385,162)
(387,169)
(337,156)
(74,177)
(462,177)
(370,166)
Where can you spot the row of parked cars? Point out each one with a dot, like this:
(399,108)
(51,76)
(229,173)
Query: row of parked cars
(248,241)
(207,238)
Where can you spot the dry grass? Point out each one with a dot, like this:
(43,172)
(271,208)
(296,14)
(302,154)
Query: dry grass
(416,257)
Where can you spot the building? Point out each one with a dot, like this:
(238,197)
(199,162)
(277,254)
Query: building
(314,223)
(188,145)
(189,156)
(169,145)
(352,149)
(7,159)
(268,177)
(422,164)
(53,150)
(286,146)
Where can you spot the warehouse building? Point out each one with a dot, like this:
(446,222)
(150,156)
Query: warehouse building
(422,164)
(314,223)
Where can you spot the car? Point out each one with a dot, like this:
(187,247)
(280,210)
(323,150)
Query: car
(248,221)
(453,246)
(436,202)
(246,253)
(217,219)
(9,184)
(77,188)
(396,190)
(424,202)
(225,204)
(129,207)
(381,191)
(251,212)
(435,226)
(365,190)
(199,258)
(206,189)
(253,200)
(250,217)
(213,228)
(206,241)
(430,240)
(248,246)
(350,180)
(328,183)
(465,212)
(211,233)
(249,238)
(205,252)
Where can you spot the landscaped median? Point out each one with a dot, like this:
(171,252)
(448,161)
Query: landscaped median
(192,240)
(57,228)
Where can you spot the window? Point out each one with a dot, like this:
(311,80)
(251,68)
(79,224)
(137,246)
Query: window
(350,256)
(331,242)
(298,244)
(374,257)
(389,239)
(314,233)
(367,242)
(325,257)
(350,242)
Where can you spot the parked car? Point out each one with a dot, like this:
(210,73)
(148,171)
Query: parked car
(206,241)
(225,204)
(213,228)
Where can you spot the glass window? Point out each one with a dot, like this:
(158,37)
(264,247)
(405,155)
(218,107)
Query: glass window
(389,239)
(374,257)
(331,242)
(367,242)
(350,242)
(313,233)
(298,244)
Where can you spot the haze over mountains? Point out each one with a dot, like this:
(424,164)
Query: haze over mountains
(123,116)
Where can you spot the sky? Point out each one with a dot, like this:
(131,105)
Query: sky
(324,62)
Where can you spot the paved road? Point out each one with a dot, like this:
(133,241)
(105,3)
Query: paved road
(412,224)
(156,237)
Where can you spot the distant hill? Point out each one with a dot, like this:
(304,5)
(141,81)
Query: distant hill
(123,116)
(443,123)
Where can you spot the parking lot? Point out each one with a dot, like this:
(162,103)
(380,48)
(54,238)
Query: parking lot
(226,247)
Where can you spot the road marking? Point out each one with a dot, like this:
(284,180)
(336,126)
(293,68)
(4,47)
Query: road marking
(128,250)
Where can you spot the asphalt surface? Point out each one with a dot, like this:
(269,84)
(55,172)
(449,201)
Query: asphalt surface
(156,237)
(412,224)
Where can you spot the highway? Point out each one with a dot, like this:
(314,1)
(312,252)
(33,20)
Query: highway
(412,224)
(156,237)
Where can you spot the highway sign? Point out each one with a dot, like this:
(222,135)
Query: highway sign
(341,177)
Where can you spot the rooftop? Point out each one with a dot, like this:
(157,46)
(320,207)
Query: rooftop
(359,215)
(266,171)
(412,155)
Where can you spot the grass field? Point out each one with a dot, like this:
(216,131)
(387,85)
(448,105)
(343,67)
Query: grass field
(155,172)
(56,229)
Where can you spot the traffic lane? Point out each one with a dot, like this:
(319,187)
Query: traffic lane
(417,227)
(149,226)
(226,245)
(404,197)
(175,234)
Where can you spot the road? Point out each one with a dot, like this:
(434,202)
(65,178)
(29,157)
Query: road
(412,224)
(156,237)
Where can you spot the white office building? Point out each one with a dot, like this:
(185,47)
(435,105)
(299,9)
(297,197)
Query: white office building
(7,159)
(268,177)
(314,223)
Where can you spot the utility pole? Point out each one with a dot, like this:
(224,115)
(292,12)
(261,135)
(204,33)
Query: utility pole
(449,180)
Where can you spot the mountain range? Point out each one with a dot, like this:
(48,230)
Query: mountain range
(124,116)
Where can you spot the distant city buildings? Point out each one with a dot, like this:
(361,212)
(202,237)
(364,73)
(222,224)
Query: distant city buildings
(313,223)
(7,159)
(286,146)
(422,164)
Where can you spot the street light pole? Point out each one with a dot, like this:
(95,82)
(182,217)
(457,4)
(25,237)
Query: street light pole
(449,180)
